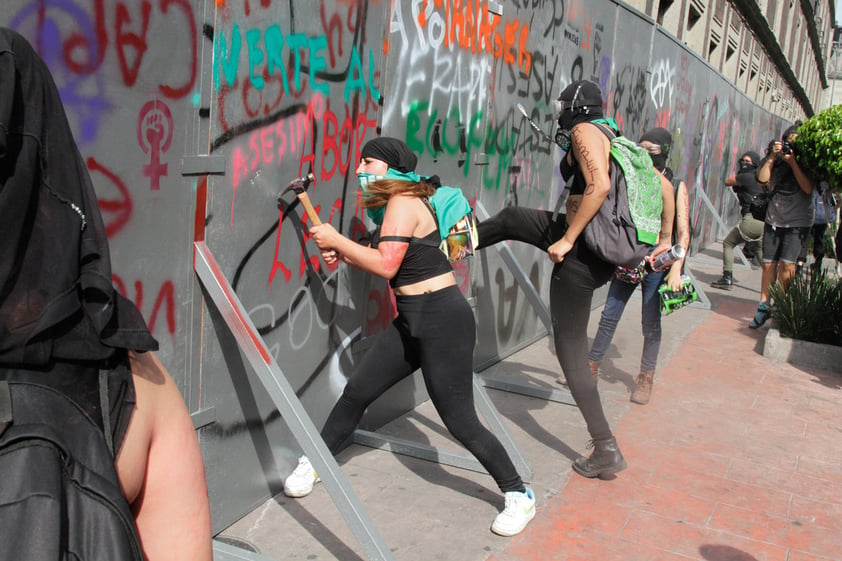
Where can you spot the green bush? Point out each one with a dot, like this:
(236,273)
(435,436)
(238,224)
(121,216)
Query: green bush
(811,309)
(819,145)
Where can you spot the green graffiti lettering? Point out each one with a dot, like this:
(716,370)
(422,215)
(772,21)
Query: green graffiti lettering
(375,93)
(274,55)
(355,80)
(474,139)
(318,63)
(413,125)
(255,57)
(227,60)
(448,147)
(297,42)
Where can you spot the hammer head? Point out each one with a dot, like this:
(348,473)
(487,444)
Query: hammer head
(299,184)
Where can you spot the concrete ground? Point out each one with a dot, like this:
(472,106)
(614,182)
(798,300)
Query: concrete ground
(736,458)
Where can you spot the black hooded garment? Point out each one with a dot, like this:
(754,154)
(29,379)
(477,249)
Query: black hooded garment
(392,151)
(57,301)
(747,186)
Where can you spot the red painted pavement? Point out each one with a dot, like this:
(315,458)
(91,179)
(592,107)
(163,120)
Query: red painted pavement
(735,458)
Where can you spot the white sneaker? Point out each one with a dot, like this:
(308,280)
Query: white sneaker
(520,509)
(300,482)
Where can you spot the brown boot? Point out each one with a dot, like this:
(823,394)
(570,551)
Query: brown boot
(643,387)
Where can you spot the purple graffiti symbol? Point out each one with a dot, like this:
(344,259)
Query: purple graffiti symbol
(37,23)
(154,135)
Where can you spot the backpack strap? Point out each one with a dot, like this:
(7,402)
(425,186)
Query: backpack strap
(429,205)
(407,239)
(607,131)
(105,409)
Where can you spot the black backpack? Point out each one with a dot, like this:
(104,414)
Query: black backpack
(60,496)
(613,234)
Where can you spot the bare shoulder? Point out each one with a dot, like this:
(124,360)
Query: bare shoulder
(590,146)
(147,367)
(402,215)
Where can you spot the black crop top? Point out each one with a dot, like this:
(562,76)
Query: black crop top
(423,260)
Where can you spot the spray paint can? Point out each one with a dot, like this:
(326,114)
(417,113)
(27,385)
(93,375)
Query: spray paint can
(666,258)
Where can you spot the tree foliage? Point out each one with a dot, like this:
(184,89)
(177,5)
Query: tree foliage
(819,145)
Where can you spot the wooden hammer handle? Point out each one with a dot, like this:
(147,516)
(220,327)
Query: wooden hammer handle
(308,207)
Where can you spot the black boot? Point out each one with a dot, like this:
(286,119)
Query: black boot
(605,459)
(725,282)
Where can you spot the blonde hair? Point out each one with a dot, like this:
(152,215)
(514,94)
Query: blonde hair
(379,192)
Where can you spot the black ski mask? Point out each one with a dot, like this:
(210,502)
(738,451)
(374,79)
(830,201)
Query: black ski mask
(659,143)
(579,102)
(746,167)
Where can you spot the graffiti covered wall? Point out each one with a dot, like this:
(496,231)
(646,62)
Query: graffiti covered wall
(192,117)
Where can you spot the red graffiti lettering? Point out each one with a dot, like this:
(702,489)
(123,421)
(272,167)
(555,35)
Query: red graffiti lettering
(382,311)
(115,212)
(165,297)
(126,40)
(183,90)
(95,53)
(277,264)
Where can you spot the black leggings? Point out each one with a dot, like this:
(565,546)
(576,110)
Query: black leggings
(571,295)
(435,332)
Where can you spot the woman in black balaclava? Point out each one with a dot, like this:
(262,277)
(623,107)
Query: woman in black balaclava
(62,321)
(749,230)
(577,271)
(657,143)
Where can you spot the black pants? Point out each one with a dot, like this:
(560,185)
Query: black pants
(571,295)
(817,234)
(435,332)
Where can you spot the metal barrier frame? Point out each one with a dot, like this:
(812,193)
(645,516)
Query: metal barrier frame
(222,295)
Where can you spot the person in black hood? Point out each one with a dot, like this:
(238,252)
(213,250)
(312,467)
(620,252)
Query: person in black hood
(657,143)
(585,136)
(749,230)
(62,322)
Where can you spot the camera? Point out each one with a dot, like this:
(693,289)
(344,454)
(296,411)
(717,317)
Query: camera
(786,148)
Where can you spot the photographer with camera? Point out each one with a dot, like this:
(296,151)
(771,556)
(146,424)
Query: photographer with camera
(788,219)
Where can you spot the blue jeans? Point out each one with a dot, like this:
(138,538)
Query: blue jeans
(618,295)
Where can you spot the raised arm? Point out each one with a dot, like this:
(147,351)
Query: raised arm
(384,261)
(591,151)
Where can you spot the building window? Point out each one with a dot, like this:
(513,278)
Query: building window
(663,6)
(693,17)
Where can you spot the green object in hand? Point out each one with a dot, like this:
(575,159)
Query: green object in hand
(672,300)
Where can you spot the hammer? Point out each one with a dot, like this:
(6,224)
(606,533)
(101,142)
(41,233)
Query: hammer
(299,186)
